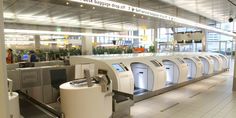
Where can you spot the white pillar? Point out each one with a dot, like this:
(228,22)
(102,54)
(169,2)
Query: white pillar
(219,46)
(234,76)
(204,39)
(87,46)
(226,46)
(53,46)
(4,109)
(232,46)
(155,39)
(36,42)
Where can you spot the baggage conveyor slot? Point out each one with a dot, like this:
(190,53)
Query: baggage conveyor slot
(121,104)
(30,108)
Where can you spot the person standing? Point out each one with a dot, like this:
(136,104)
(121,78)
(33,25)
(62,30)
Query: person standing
(33,57)
(9,58)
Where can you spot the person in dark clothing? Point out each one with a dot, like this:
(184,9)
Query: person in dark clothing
(19,56)
(33,57)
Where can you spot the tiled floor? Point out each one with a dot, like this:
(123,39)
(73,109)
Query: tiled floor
(209,98)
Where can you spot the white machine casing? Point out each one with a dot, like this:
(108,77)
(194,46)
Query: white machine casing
(136,66)
(13,97)
(124,81)
(85,102)
(218,63)
(208,64)
(195,65)
(156,75)
(225,61)
(14,105)
(180,70)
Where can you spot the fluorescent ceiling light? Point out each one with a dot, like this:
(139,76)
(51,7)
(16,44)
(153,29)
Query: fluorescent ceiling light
(137,10)
(19,42)
(38,32)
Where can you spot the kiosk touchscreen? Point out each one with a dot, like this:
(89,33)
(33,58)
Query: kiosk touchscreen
(118,67)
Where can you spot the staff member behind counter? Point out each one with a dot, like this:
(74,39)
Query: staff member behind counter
(33,57)
(9,56)
(141,49)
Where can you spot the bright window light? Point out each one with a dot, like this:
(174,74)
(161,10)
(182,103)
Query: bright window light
(38,32)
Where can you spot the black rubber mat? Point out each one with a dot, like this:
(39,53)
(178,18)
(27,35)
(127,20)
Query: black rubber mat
(190,78)
(169,83)
(29,110)
(138,91)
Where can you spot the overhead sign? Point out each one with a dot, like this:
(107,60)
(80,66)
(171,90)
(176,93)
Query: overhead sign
(125,7)
(129,8)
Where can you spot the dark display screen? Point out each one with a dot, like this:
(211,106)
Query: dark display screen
(58,77)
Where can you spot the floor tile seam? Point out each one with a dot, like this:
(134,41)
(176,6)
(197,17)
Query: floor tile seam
(222,108)
(214,106)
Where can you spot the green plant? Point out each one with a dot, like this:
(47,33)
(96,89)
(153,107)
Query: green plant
(151,49)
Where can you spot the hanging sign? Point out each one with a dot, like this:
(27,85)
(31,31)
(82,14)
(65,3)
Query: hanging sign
(125,7)
(129,8)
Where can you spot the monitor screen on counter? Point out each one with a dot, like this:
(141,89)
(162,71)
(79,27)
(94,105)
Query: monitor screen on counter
(118,67)
(25,57)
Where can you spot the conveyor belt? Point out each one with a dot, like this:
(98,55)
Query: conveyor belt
(138,91)
(190,78)
(29,108)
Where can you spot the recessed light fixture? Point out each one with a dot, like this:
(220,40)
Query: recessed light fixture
(134,15)
(142,17)
(67,3)
(94,8)
(81,5)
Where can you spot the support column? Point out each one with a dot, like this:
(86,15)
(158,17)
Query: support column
(53,46)
(37,42)
(226,47)
(95,40)
(204,39)
(219,46)
(87,46)
(155,39)
(175,40)
(4,109)
(232,46)
(234,76)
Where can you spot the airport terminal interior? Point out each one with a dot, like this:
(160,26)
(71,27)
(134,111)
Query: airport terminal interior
(117,59)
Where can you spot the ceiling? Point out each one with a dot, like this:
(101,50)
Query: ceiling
(58,13)
(219,10)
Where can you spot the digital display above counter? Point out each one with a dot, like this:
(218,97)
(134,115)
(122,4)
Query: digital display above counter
(118,67)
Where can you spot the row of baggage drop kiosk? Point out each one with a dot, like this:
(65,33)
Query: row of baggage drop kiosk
(133,77)
(137,74)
